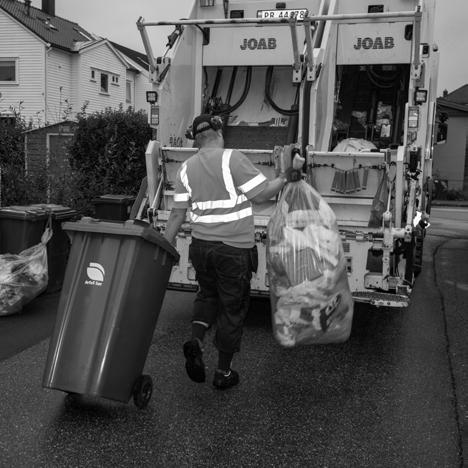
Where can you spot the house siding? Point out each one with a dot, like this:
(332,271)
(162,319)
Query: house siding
(449,158)
(142,84)
(17,41)
(131,77)
(54,84)
(465,179)
(102,59)
(59,86)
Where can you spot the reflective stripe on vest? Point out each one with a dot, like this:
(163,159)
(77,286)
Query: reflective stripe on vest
(233,200)
(181,197)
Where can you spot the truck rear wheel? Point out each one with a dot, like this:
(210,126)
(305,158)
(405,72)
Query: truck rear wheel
(414,256)
(418,252)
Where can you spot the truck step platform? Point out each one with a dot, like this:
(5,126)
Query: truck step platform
(381,299)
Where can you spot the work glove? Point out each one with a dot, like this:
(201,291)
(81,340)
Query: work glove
(294,173)
(288,163)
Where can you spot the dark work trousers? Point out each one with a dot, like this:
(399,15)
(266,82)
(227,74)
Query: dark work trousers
(223,274)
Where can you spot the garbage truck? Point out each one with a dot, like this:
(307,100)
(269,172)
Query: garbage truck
(350,85)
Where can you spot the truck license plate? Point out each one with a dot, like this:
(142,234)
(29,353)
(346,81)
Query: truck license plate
(299,14)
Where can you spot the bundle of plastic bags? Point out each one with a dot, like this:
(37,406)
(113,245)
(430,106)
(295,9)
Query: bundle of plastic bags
(23,276)
(310,296)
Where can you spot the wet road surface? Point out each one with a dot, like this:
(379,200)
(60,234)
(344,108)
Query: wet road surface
(391,396)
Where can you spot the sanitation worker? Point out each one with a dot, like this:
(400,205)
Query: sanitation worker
(218,187)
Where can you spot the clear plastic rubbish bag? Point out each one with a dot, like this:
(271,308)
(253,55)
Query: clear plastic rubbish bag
(311,302)
(23,276)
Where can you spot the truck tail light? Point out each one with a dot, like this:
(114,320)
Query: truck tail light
(413,117)
(420,96)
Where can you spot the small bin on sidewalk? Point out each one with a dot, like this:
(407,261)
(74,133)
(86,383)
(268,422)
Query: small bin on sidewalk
(114,286)
(21,227)
(113,207)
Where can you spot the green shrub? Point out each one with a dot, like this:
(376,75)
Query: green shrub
(16,188)
(107,155)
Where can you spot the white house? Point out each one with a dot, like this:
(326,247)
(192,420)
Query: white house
(451,158)
(51,67)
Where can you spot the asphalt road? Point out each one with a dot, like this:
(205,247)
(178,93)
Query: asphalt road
(394,395)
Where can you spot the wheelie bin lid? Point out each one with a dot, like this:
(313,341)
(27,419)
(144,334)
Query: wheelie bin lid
(30,213)
(117,199)
(133,228)
(57,211)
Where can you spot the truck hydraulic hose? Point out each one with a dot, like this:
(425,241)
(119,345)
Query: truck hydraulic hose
(383,77)
(231,85)
(212,100)
(306,116)
(292,125)
(219,73)
(268,77)
(248,80)
(382,81)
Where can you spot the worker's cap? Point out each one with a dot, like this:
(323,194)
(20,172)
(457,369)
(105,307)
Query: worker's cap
(205,122)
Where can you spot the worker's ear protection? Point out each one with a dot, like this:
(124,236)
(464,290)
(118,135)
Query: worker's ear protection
(215,123)
(189,133)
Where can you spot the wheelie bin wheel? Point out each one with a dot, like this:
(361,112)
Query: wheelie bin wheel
(142,391)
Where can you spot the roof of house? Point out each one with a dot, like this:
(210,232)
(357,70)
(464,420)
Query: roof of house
(54,30)
(137,57)
(62,126)
(60,32)
(452,107)
(459,96)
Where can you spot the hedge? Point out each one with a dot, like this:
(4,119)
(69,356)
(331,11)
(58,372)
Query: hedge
(107,156)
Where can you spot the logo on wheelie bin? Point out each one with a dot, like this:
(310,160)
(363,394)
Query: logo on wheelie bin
(96,273)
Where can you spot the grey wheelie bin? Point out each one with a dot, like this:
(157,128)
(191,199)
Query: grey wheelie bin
(21,227)
(113,207)
(114,286)
(58,247)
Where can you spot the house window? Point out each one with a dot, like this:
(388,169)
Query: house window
(128,92)
(93,75)
(8,70)
(104,83)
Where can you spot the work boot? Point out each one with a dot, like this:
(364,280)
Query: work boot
(223,380)
(194,364)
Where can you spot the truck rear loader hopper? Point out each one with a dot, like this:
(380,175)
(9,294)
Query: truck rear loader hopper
(352,86)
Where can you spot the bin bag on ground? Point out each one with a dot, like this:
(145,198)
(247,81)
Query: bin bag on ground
(23,276)
(311,302)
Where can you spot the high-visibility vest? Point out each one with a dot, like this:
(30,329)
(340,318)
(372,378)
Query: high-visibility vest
(219,209)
